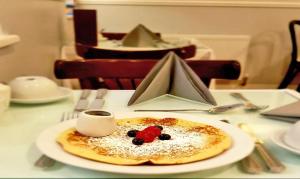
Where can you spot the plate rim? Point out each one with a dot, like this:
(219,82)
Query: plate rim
(147,170)
(276,138)
(65,93)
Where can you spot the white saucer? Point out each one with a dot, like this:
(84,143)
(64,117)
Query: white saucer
(277,138)
(64,93)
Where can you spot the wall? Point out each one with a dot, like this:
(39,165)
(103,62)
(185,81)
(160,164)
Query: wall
(38,23)
(264,21)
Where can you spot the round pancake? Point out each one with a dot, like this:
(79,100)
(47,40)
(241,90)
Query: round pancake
(190,141)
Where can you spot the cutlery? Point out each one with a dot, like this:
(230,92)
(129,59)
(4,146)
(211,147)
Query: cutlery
(274,165)
(218,109)
(98,101)
(44,161)
(249,164)
(248,104)
(83,102)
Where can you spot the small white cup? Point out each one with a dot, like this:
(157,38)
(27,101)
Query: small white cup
(33,87)
(291,137)
(96,123)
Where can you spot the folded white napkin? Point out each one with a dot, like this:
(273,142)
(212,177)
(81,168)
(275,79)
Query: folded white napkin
(171,75)
(289,112)
(140,36)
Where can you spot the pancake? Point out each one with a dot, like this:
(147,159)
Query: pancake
(190,142)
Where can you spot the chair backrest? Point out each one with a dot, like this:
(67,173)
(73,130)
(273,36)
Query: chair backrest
(293,72)
(90,52)
(127,74)
(85,26)
(117,35)
(292,27)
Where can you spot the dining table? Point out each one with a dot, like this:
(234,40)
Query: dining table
(202,50)
(22,124)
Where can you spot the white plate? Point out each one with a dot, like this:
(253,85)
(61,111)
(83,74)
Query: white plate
(277,138)
(64,93)
(242,146)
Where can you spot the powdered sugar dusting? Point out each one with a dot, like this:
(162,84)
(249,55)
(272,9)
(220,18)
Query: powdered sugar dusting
(120,144)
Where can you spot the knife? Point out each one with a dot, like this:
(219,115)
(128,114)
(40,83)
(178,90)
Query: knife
(271,161)
(217,109)
(98,101)
(249,164)
(83,102)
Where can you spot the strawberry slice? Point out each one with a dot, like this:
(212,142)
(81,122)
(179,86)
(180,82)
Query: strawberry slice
(154,130)
(146,136)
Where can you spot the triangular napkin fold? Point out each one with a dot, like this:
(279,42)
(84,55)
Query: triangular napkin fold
(171,75)
(140,36)
(289,112)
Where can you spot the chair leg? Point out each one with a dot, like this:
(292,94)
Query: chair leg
(288,77)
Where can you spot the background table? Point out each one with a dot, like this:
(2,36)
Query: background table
(202,50)
(21,125)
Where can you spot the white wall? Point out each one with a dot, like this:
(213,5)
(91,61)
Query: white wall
(38,23)
(265,21)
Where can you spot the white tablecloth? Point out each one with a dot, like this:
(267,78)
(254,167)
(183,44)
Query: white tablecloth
(202,52)
(20,125)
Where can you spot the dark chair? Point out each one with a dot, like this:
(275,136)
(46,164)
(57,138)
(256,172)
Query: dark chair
(294,67)
(117,35)
(86,38)
(127,74)
(90,52)
(85,26)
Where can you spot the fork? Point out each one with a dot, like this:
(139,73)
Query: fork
(249,164)
(248,104)
(274,165)
(44,161)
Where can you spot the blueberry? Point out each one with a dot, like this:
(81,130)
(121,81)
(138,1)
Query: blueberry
(160,127)
(137,141)
(164,137)
(132,133)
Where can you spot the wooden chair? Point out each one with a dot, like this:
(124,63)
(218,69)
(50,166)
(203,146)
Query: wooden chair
(117,35)
(85,26)
(128,73)
(90,52)
(294,67)
(86,38)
